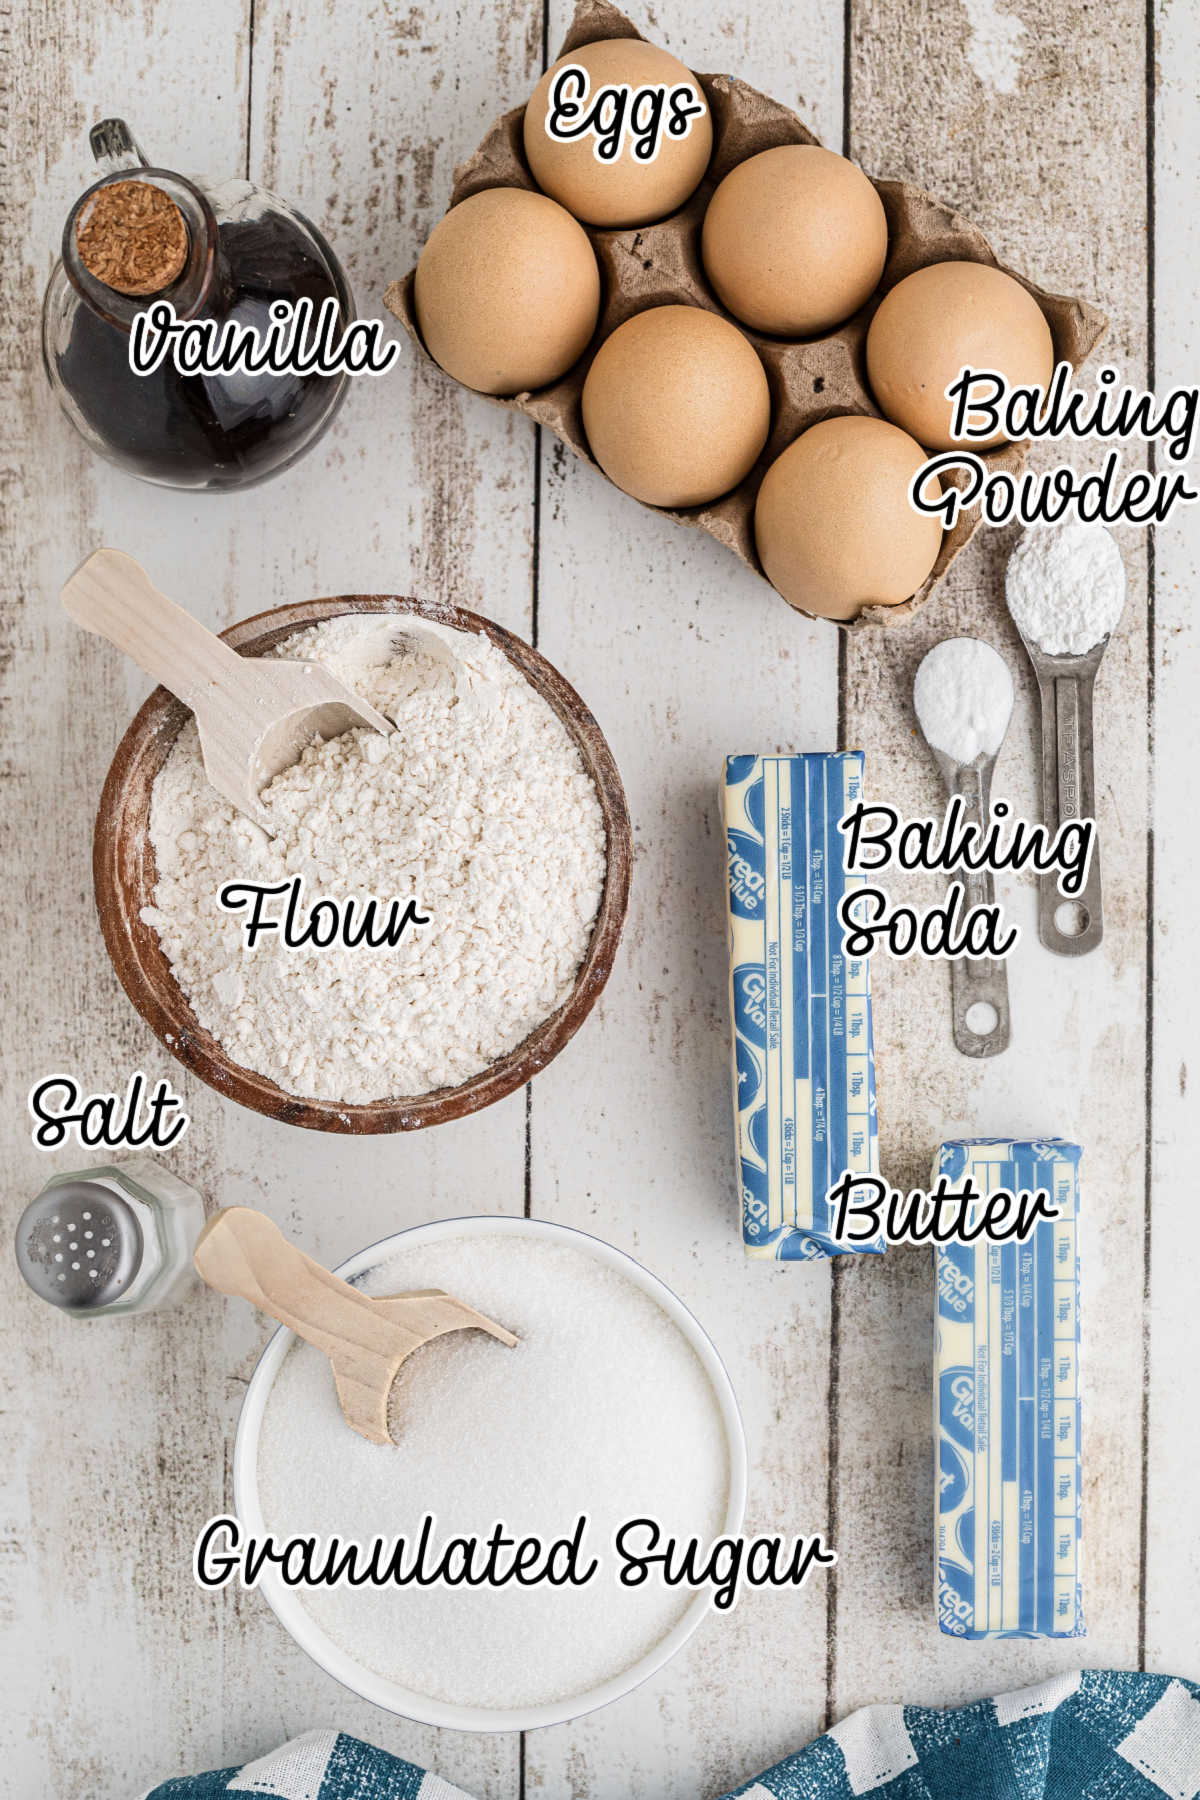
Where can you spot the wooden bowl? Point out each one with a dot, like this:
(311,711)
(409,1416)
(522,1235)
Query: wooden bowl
(125,877)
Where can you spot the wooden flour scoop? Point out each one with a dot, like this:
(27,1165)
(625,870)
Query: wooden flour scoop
(242,1252)
(255,714)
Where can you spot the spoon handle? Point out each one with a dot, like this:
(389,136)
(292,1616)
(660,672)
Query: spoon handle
(1068,792)
(243,1253)
(112,595)
(978,981)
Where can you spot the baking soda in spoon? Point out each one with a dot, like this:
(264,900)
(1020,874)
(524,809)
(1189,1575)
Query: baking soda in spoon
(963,697)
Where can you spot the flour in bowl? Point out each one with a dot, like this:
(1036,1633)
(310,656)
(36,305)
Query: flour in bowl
(477,807)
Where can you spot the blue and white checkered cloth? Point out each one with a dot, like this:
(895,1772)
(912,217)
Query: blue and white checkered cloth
(321,1765)
(1096,1736)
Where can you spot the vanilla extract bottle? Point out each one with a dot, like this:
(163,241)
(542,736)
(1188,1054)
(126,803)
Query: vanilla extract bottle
(226,251)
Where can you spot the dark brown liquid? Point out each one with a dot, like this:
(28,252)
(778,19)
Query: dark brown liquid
(213,431)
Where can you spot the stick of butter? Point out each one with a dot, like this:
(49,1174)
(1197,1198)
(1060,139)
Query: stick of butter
(803,1062)
(1006,1398)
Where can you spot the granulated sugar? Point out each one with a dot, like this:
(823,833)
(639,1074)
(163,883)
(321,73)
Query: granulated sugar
(1066,587)
(478,807)
(603,1408)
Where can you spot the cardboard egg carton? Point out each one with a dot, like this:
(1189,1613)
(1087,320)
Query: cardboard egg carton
(655,265)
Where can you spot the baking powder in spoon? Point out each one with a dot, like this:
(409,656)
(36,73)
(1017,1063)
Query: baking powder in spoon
(1065,587)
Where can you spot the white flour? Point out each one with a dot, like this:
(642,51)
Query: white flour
(478,806)
(1066,587)
(603,1408)
(963,695)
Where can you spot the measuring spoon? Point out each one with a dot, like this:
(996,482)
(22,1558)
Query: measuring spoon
(1065,687)
(975,982)
(1068,599)
(255,714)
(366,1337)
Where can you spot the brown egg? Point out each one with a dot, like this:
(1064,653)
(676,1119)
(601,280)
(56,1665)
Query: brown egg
(937,321)
(794,240)
(507,291)
(833,524)
(626,190)
(676,406)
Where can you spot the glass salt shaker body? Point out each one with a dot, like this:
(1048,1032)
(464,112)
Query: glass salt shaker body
(110,1240)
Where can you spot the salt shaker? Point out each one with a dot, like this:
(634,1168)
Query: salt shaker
(109,1240)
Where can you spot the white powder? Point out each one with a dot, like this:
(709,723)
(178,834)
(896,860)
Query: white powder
(1066,587)
(478,807)
(963,695)
(603,1408)
(994,45)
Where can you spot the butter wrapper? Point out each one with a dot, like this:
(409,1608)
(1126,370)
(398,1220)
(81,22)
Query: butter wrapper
(803,1059)
(1006,1400)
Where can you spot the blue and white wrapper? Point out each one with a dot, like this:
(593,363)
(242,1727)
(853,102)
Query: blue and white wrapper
(803,1058)
(1006,1401)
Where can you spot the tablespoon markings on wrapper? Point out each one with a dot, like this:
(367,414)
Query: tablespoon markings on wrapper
(963,697)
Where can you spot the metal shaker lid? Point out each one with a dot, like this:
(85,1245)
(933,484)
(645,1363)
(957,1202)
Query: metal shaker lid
(79,1245)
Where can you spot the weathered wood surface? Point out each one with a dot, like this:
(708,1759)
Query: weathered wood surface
(1077,1061)
(118,1434)
(1172,1587)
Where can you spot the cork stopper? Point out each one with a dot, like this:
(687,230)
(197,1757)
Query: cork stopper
(132,237)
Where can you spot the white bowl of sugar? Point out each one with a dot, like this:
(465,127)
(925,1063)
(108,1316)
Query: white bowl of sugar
(615,1404)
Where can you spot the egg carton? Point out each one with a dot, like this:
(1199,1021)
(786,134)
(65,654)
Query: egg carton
(657,265)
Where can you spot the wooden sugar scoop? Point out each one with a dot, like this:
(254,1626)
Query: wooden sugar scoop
(366,1338)
(255,714)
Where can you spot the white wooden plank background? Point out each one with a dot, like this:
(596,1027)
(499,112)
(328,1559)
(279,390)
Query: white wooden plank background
(1173,1273)
(116,1671)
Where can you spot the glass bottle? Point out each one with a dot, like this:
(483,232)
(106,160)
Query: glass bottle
(114,1239)
(245,249)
